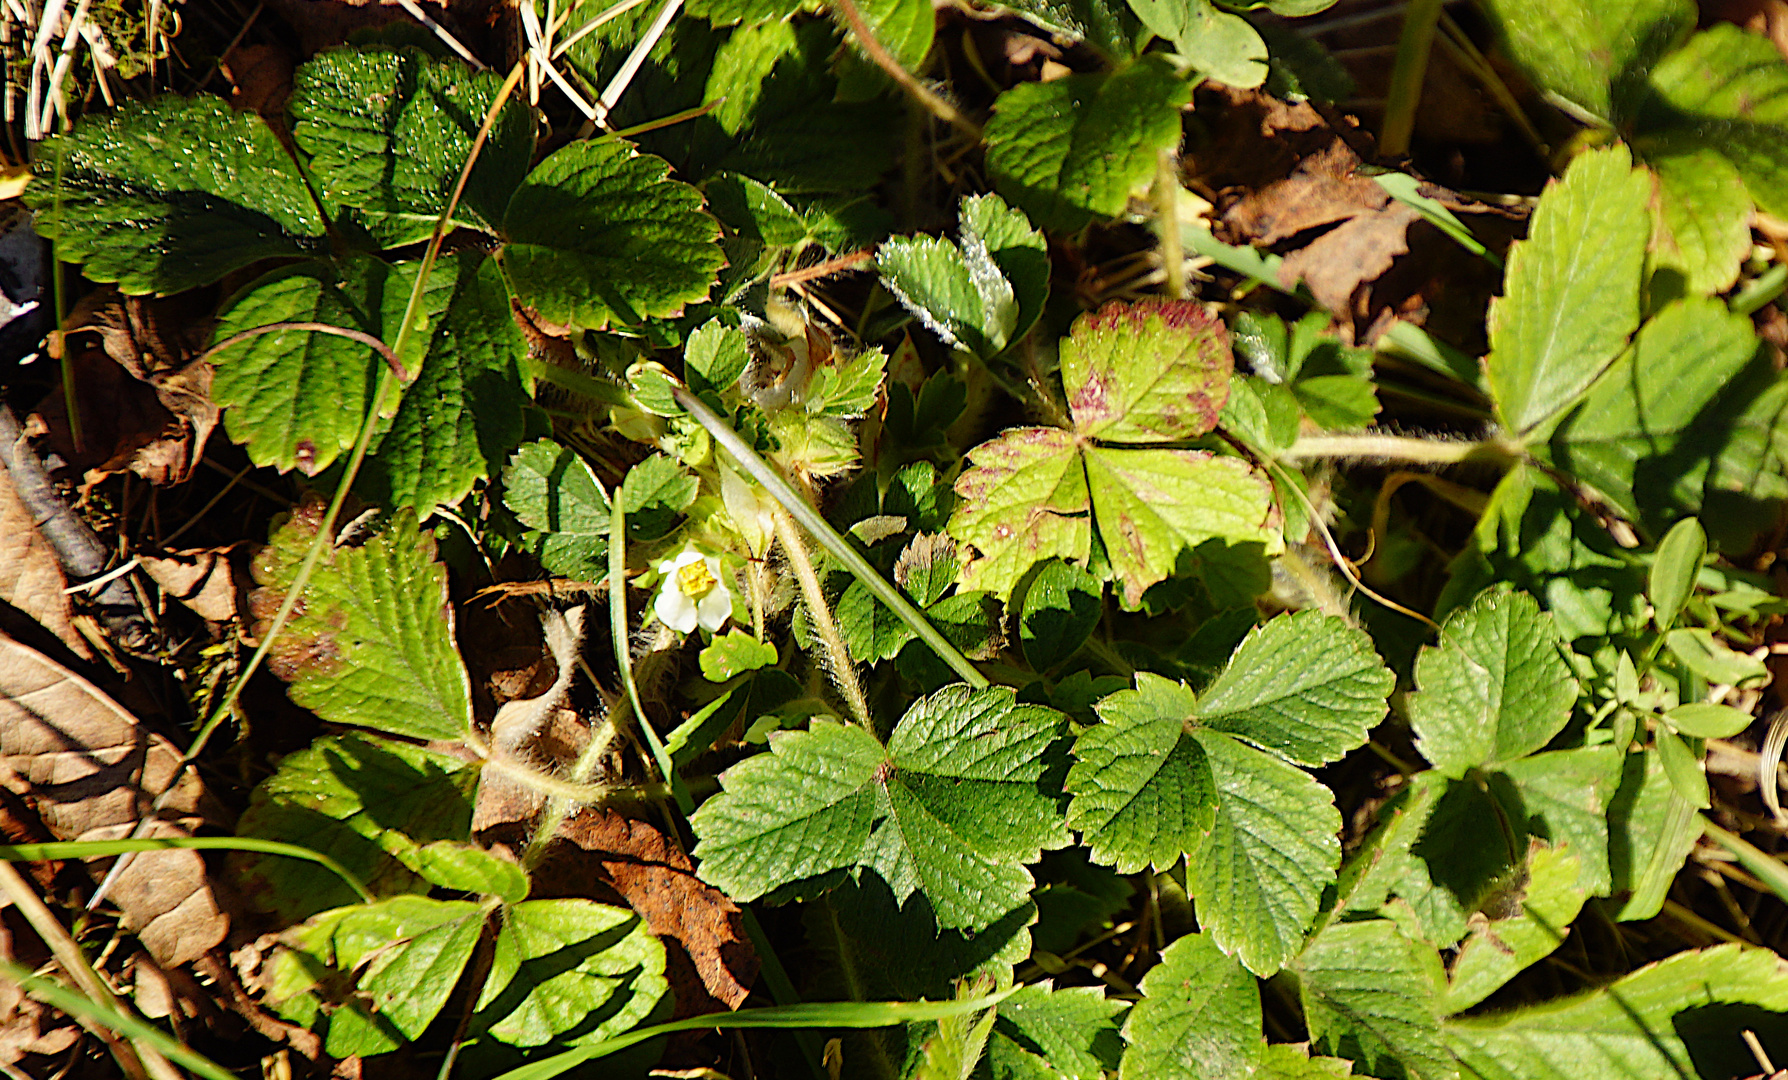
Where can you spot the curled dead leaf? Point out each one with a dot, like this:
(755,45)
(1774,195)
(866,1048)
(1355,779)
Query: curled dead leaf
(90,770)
(203,579)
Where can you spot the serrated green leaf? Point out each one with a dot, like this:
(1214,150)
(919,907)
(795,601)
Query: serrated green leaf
(1369,989)
(905,29)
(1651,426)
(733,654)
(1281,1061)
(1060,610)
(1701,218)
(1306,686)
(927,567)
(389,131)
(598,234)
(728,12)
(372,644)
(655,493)
(1583,50)
(1673,569)
(414,949)
(715,356)
(296,398)
(1713,660)
(961,296)
(1199,1016)
(955,1047)
(551,489)
(1571,295)
(158,222)
(951,808)
(1071,151)
(466,409)
(1047,1033)
(1727,90)
(1271,852)
(1015,246)
(1631,1030)
(1217,43)
(561,964)
(1152,371)
(359,800)
(1107,25)
(1142,792)
(466,867)
(849,387)
(1496,687)
(1549,899)
(1563,798)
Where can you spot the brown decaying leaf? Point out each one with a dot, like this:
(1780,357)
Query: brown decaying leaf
(144,404)
(90,770)
(27,1027)
(202,578)
(710,962)
(1340,262)
(31,576)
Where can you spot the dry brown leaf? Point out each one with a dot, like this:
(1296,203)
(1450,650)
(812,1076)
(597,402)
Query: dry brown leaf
(145,405)
(31,577)
(90,771)
(1343,261)
(710,962)
(28,1027)
(203,579)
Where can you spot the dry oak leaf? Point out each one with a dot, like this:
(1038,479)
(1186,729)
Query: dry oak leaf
(202,578)
(90,770)
(716,963)
(31,576)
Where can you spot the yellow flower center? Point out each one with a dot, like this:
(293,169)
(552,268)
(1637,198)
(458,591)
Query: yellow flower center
(694,580)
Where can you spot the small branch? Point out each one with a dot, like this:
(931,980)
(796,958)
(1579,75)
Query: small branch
(934,104)
(1401,448)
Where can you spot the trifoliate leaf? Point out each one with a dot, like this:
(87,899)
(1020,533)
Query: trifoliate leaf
(1060,610)
(389,131)
(599,235)
(156,221)
(1054,1034)
(569,966)
(1649,428)
(951,807)
(372,643)
(1306,686)
(1199,1016)
(1070,151)
(466,409)
(1215,42)
(1544,906)
(1151,783)
(360,801)
(1372,991)
(412,948)
(1496,687)
(980,294)
(1571,295)
(1138,374)
(551,489)
(1636,1028)
(1585,51)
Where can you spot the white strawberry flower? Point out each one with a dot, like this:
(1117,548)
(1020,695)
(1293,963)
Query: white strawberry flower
(692,593)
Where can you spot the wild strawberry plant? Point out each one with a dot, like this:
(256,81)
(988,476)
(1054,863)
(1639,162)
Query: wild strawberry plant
(990,630)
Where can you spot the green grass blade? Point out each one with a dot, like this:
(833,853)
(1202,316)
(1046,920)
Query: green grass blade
(57,996)
(92,849)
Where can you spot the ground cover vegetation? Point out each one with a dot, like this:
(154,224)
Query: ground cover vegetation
(757,538)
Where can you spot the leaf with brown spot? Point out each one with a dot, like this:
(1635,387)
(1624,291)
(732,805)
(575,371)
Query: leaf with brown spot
(715,963)
(90,770)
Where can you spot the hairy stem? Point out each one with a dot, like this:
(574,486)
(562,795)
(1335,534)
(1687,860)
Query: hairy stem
(936,105)
(838,657)
(1401,448)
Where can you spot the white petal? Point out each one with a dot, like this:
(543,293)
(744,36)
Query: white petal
(715,608)
(675,610)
